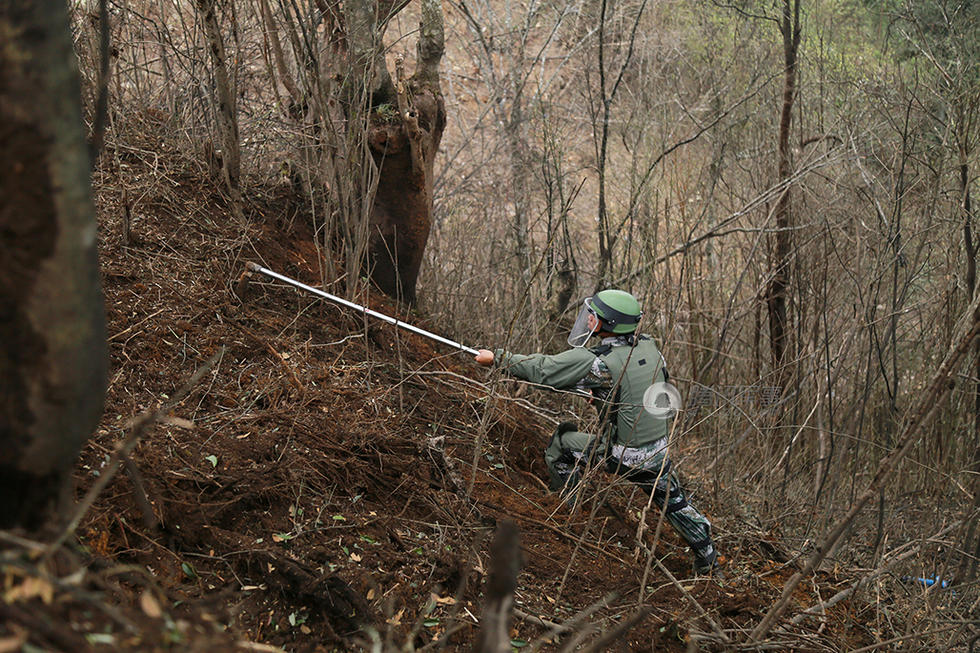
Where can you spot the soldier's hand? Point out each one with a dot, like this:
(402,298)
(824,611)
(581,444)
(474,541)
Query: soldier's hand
(484,357)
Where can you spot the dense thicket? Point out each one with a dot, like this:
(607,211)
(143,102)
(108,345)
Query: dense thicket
(663,148)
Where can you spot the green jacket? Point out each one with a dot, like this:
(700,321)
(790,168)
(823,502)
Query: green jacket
(617,373)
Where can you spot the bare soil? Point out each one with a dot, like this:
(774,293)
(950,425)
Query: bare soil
(312,491)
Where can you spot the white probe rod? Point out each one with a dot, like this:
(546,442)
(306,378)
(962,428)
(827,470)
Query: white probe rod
(255,267)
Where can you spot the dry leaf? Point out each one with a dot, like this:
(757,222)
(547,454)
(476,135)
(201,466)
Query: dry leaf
(445,600)
(13,644)
(150,605)
(397,619)
(29,589)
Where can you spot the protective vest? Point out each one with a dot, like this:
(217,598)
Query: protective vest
(633,369)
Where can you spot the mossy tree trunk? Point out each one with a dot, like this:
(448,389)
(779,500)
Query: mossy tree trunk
(53,359)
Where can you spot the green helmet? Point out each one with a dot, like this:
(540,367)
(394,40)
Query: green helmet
(618,310)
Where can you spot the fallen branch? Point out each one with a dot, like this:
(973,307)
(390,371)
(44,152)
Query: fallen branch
(620,629)
(580,540)
(53,632)
(716,629)
(900,638)
(124,448)
(931,400)
(569,625)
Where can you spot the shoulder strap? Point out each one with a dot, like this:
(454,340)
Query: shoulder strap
(601,350)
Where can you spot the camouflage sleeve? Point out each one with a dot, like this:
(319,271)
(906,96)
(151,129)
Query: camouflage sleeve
(598,380)
(569,369)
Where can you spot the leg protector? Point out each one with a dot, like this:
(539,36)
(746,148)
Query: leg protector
(689,523)
(563,456)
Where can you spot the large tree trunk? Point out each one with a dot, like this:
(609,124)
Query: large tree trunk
(404,149)
(53,361)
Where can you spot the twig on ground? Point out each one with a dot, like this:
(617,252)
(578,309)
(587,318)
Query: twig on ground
(524,403)
(133,326)
(290,372)
(149,519)
(256,646)
(571,624)
(819,609)
(538,621)
(610,636)
(439,644)
(697,606)
(571,536)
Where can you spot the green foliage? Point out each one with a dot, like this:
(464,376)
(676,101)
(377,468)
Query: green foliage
(943,33)
(386,114)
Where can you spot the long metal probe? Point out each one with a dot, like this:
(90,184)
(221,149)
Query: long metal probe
(255,267)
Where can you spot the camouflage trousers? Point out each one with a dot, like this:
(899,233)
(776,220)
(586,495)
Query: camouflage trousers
(571,451)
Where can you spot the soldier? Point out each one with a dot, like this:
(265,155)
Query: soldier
(633,440)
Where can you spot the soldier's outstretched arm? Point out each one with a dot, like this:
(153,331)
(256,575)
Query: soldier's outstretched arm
(564,370)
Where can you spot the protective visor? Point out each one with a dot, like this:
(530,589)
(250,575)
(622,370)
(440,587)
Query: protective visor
(580,333)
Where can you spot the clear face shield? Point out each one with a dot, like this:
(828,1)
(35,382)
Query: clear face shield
(583,328)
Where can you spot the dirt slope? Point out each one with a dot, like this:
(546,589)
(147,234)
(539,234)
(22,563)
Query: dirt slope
(310,492)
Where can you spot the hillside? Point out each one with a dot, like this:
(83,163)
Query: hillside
(310,492)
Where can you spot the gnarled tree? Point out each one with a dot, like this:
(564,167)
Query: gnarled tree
(375,136)
(404,150)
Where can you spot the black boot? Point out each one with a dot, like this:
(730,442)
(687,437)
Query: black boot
(706,563)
